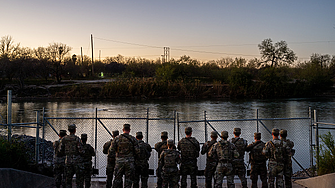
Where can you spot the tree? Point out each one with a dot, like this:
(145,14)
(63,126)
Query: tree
(276,54)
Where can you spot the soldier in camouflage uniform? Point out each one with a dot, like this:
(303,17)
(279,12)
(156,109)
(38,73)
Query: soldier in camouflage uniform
(210,162)
(86,163)
(141,163)
(110,160)
(238,164)
(257,161)
(288,159)
(189,148)
(160,147)
(72,147)
(168,161)
(275,151)
(59,162)
(224,152)
(126,148)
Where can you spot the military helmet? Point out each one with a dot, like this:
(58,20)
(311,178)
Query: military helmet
(214,134)
(71,127)
(170,142)
(126,126)
(139,134)
(83,136)
(224,134)
(283,132)
(275,131)
(237,130)
(258,135)
(115,133)
(164,133)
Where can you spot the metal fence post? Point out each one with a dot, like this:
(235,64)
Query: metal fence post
(174,125)
(9,114)
(147,128)
(177,127)
(96,137)
(37,144)
(310,136)
(257,128)
(316,138)
(43,136)
(205,119)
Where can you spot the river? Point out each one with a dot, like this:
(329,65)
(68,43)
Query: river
(187,110)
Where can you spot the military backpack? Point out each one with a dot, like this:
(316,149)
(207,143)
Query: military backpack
(170,158)
(224,151)
(278,151)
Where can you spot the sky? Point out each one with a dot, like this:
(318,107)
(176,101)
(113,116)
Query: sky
(203,30)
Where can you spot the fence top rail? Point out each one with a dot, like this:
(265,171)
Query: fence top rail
(324,123)
(15,125)
(255,119)
(87,118)
(18,124)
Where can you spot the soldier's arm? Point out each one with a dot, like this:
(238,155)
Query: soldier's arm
(61,148)
(113,146)
(106,147)
(92,152)
(161,160)
(178,146)
(178,160)
(204,148)
(198,145)
(213,152)
(266,150)
(249,147)
(136,147)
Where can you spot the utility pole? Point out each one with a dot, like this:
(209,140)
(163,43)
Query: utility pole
(81,55)
(166,54)
(99,55)
(92,55)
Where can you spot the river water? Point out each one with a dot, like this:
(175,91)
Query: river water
(187,110)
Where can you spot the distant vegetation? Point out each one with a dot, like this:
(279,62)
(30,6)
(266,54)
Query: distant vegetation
(276,74)
(326,160)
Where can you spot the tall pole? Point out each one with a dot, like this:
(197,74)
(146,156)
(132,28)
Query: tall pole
(81,55)
(100,55)
(9,113)
(92,55)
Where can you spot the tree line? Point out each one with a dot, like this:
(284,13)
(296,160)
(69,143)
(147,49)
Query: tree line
(276,74)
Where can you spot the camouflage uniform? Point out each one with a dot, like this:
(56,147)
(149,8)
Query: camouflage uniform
(86,163)
(141,164)
(238,164)
(189,148)
(224,152)
(258,162)
(110,161)
(274,150)
(288,160)
(210,162)
(126,148)
(160,147)
(59,163)
(168,161)
(71,146)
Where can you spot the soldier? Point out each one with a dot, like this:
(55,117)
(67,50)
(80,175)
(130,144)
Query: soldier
(258,161)
(159,147)
(59,161)
(86,163)
(110,160)
(189,148)
(275,150)
(72,147)
(126,148)
(168,161)
(238,164)
(224,152)
(210,162)
(141,162)
(288,159)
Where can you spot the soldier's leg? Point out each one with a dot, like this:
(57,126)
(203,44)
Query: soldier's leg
(69,172)
(218,176)
(230,175)
(208,175)
(58,175)
(271,174)
(193,169)
(254,175)
(159,177)
(109,173)
(87,175)
(165,179)
(145,176)
(279,176)
(183,172)
(263,175)
(80,171)
(241,174)
(129,174)
(119,171)
(288,176)
(174,180)
(136,182)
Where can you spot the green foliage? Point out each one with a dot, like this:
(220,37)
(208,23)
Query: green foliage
(165,72)
(239,82)
(326,163)
(13,154)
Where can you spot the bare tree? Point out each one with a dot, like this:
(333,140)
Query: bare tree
(276,54)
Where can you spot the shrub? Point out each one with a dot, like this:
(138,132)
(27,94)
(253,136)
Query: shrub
(13,154)
(326,163)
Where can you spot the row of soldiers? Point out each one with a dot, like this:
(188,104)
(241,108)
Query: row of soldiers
(72,155)
(129,156)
